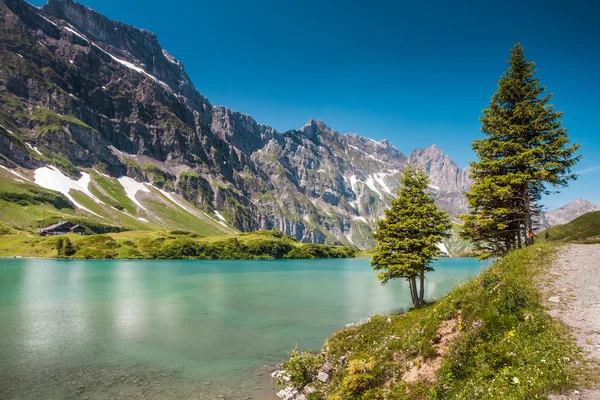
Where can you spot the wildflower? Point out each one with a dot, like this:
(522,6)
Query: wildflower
(515,380)
(510,335)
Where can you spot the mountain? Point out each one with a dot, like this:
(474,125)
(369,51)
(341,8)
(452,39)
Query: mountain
(567,213)
(98,111)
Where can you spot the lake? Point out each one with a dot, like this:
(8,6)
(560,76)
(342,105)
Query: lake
(178,329)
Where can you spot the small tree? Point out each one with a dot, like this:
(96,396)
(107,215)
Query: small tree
(407,237)
(68,249)
(60,247)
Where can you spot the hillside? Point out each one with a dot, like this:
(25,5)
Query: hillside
(488,338)
(585,229)
(168,245)
(99,111)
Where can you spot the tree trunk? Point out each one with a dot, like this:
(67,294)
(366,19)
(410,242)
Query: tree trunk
(412,292)
(422,287)
(415,292)
(527,219)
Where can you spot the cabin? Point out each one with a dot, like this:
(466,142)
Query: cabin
(61,228)
(78,229)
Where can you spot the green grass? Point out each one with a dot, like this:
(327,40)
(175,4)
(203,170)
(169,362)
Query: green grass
(585,229)
(112,188)
(506,345)
(171,244)
(30,194)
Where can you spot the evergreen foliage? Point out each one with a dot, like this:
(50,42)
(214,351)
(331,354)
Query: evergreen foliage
(60,247)
(407,237)
(64,248)
(525,154)
(68,249)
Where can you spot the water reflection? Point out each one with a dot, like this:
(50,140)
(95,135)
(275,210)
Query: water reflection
(216,321)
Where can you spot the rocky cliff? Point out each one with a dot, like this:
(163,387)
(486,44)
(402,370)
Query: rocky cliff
(79,91)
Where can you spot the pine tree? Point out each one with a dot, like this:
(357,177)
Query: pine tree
(525,154)
(407,236)
(60,247)
(68,249)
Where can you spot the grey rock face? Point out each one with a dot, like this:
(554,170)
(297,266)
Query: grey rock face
(116,101)
(567,213)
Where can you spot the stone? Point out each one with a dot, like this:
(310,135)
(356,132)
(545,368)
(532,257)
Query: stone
(286,394)
(323,377)
(554,299)
(309,389)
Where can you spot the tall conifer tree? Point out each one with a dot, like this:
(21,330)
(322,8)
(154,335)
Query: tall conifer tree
(525,154)
(408,235)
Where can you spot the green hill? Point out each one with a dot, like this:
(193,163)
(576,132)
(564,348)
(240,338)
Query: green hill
(585,229)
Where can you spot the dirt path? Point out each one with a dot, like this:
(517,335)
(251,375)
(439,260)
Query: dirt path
(574,298)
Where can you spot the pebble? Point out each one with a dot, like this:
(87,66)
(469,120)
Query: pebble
(554,299)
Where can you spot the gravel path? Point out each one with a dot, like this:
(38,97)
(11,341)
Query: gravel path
(574,298)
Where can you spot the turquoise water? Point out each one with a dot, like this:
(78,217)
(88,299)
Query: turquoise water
(179,329)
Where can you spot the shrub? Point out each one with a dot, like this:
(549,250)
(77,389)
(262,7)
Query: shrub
(301,368)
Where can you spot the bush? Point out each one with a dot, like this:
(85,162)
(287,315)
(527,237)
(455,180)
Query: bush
(301,368)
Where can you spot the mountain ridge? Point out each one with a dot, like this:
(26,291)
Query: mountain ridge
(88,92)
(567,213)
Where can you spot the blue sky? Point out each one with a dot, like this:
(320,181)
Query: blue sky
(415,73)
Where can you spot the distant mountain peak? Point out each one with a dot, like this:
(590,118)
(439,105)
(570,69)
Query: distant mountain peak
(567,213)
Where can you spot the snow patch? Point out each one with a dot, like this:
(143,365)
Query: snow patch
(442,247)
(142,219)
(372,185)
(100,173)
(353,181)
(434,187)
(222,219)
(169,196)
(379,178)
(15,173)
(34,148)
(133,67)
(367,154)
(119,152)
(131,187)
(76,33)
(47,19)
(363,219)
(6,129)
(52,178)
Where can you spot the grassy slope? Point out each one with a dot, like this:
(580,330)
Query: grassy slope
(584,229)
(507,346)
(170,244)
(25,206)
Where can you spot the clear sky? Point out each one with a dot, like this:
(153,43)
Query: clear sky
(413,72)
